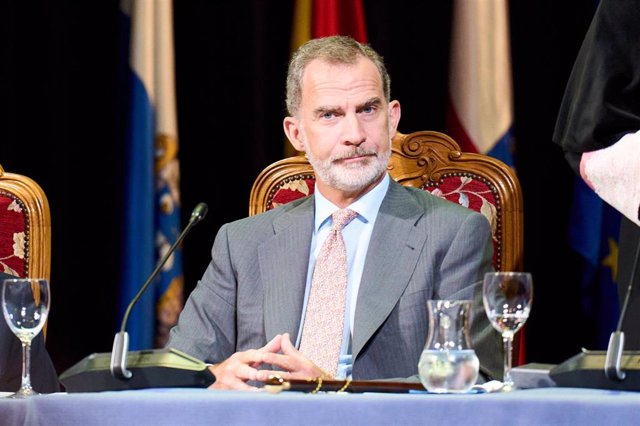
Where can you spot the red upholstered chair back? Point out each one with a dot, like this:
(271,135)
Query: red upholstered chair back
(431,161)
(25,227)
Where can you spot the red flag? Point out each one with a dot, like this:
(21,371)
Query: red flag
(338,17)
(321,18)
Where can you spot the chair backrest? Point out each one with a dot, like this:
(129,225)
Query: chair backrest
(25,227)
(431,161)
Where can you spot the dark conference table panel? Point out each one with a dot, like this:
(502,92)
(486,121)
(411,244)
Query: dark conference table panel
(548,406)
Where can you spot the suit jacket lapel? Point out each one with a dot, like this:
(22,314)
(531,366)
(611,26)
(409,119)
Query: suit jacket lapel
(391,258)
(283,267)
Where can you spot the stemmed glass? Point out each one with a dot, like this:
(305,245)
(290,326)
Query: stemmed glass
(25,304)
(507,298)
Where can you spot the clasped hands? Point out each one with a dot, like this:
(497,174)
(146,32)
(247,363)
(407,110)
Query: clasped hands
(241,367)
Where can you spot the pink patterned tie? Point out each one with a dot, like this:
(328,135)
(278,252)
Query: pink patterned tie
(324,319)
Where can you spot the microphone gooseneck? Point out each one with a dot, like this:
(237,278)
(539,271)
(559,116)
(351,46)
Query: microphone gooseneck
(121,340)
(616,341)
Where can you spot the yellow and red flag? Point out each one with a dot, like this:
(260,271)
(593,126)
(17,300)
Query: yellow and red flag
(322,18)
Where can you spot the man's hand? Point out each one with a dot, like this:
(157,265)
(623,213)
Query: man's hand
(235,371)
(294,362)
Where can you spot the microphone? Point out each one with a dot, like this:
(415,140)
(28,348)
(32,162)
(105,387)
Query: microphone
(165,367)
(121,340)
(616,341)
(602,369)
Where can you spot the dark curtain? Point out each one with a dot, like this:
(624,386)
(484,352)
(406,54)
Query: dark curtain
(59,125)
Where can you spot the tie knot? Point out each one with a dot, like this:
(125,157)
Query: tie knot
(341,218)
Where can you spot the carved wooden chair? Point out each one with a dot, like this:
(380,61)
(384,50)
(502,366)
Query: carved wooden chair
(431,161)
(25,228)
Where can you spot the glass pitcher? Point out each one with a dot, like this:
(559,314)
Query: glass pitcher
(448,364)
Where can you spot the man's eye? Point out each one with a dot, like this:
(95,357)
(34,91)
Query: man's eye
(368,109)
(328,115)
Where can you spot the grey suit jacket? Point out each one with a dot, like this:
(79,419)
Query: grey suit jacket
(422,247)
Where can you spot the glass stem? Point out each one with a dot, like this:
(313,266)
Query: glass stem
(26,367)
(508,349)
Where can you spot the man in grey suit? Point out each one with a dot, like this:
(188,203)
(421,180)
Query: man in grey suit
(404,247)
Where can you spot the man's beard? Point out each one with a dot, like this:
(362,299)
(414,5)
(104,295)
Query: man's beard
(350,177)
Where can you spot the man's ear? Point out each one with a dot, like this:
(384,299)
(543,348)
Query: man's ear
(394,117)
(292,131)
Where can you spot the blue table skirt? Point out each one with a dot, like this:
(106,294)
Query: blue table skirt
(548,406)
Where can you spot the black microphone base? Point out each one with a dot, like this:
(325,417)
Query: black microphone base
(586,370)
(156,368)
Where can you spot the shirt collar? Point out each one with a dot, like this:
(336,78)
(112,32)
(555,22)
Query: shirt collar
(366,206)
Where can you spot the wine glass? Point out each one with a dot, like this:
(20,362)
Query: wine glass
(507,298)
(25,304)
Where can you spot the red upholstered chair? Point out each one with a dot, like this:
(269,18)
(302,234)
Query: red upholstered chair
(25,227)
(431,161)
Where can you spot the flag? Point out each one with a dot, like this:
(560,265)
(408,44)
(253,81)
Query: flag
(152,198)
(322,18)
(593,234)
(480,110)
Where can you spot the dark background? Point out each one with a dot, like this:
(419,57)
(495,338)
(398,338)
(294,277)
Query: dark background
(60,124)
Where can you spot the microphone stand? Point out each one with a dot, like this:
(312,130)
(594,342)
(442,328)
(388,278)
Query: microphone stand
(616,341)
(151,368)
(602,369)
(120,348)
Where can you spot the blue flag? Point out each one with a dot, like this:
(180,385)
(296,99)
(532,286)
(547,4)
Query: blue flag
(593,234)
(152,198)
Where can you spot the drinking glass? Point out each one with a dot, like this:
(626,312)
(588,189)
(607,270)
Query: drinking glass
(25,304)
(507,298)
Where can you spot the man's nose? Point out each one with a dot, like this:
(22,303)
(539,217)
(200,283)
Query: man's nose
(353,131)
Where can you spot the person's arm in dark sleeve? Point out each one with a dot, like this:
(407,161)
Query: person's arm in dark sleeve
(599,118)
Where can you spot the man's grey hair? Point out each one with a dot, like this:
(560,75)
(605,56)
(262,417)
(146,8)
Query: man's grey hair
(333,50)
